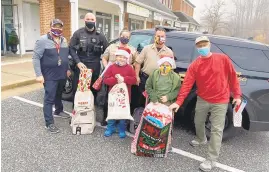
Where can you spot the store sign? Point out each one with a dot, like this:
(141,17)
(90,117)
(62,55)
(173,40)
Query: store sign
(158,17)
(134,9)
(177,24)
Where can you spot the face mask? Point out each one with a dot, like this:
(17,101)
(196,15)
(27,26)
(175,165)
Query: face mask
(124,40)
(203,51)
(165,69)
(159,40)
(90,25)
(56,32)
(121,63)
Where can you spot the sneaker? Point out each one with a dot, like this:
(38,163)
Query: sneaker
(52,128)
(196,143)
(109,132)
(207,165)
(61,115)
(122,134)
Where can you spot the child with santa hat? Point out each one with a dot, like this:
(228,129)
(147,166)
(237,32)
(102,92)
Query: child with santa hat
(119,72)
(163,84)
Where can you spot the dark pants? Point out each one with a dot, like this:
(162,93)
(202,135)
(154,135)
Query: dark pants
(53,95)
(95,75)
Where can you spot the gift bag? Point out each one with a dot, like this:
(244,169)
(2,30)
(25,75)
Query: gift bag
(153,135)
(118,103)
(98,83)
(237,113)
(84,83)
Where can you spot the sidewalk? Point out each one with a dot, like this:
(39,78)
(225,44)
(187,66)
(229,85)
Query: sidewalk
(16,71)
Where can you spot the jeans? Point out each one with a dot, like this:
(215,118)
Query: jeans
(53,96)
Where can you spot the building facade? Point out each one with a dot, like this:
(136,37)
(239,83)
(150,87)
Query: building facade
(31,18)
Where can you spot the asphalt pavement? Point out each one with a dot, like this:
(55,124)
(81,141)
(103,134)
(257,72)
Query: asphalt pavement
(27,146)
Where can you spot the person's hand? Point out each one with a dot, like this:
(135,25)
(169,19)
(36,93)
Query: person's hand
(237,102)
(174,107)
(81,66)
(40,79)
(164,99)
(137,80)
(68,73)
(120,79)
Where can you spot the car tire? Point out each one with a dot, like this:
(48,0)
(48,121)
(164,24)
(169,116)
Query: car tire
(67,94)
(229,129)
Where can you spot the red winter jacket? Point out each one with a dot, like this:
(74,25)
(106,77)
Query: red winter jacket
(127,72)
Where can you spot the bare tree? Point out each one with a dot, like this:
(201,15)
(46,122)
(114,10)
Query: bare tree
(214,16)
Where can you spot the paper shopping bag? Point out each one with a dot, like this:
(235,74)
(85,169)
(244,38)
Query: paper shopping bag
(84,83)
(118,103)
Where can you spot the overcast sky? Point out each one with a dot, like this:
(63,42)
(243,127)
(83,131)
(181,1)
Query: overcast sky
(200,5)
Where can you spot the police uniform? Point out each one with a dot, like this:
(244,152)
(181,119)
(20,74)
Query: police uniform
(87,47)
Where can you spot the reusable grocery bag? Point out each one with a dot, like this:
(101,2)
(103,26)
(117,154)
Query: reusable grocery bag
(153,135)
(118,103)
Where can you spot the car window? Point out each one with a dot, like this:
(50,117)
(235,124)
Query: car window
(182,48)
(213,48)
(246,58)
(142,39)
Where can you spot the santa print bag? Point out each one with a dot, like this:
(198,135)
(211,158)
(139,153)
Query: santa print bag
(153,135)
(118,103)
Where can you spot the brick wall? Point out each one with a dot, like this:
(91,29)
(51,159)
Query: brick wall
(63,12)
(50,9)
(47,13)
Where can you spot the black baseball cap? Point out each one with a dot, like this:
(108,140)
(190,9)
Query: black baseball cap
(56,21)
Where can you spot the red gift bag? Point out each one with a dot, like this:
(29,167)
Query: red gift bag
(98,83)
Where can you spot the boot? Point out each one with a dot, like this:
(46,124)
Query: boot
(110,129)
(122,128)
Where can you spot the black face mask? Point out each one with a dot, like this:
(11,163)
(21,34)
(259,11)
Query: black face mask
(124,40)
(90,25)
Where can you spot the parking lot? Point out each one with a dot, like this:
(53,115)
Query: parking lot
(27,146)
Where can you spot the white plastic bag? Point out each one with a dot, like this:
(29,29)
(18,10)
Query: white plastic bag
(237,113)
(118,103)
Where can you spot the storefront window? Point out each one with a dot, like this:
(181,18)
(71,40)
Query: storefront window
(136,24)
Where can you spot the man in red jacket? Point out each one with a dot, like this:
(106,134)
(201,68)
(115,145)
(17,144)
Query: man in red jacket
(215,78)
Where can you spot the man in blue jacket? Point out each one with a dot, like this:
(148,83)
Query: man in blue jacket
(50,60)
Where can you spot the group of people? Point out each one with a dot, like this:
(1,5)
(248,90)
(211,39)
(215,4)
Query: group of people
(150,70)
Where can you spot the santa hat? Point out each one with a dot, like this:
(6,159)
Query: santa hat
(168,59)
(123,52)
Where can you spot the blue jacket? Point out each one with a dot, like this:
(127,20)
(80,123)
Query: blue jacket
(45,58)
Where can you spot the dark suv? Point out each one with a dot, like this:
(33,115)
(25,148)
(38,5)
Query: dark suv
(250,59)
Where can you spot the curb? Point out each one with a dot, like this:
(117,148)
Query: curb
(18,84)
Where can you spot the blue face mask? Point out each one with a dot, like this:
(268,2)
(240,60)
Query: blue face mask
(203,51)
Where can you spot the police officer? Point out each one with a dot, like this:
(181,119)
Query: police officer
(86,47)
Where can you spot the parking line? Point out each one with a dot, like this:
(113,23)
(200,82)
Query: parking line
(174,150)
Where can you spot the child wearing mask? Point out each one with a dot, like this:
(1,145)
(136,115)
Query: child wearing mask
(119,72)
(163,84)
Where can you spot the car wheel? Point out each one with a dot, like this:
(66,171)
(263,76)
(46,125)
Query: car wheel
(229,129)
(68,89)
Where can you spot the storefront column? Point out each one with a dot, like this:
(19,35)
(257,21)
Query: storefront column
(74,16)
(121,20)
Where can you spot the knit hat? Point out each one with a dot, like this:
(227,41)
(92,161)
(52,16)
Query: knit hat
(168,59)
(123,52)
